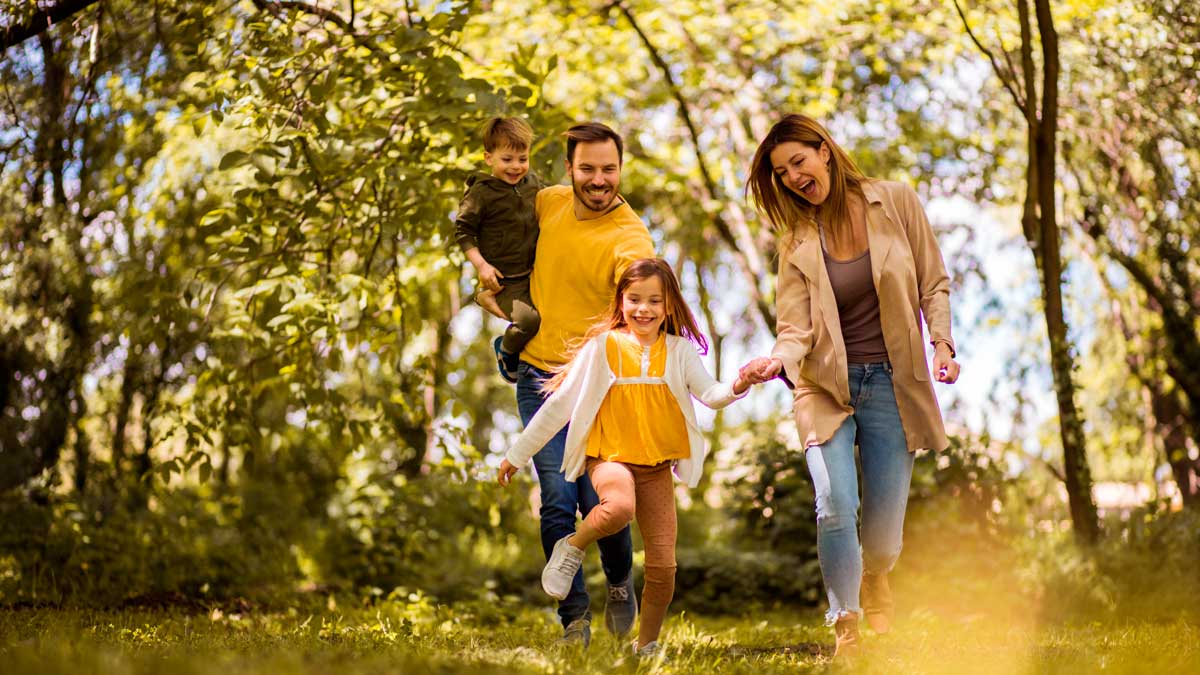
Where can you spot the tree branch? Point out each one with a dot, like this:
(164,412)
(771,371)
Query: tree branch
(274,6)
(995,64)
(752,266)
(41,21)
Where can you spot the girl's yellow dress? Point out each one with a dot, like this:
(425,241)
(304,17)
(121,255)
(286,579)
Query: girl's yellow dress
(639,421)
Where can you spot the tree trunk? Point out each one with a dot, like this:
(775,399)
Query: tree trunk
(1166,416)
(82,451)
(121,419)
(1062,362)
(1175,428)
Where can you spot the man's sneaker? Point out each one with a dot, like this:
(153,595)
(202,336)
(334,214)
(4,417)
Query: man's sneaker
(578,631)
(505,362)
(559,572)
(621,610)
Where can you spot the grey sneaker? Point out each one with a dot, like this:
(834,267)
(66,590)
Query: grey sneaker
(621,610)
(560,570)
(578,631)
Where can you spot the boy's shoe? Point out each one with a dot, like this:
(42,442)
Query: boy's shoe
(651,651)
(877,602)
(846,630)
(560,570)
(621,610)
(578,632)
(506,363)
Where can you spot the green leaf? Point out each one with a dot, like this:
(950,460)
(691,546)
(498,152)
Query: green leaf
(233,159)
(212,217)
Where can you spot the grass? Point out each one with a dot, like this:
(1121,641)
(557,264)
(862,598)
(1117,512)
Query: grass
(968,604)
(413,635)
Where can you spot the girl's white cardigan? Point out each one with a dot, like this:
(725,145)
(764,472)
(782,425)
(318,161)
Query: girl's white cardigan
(578,401)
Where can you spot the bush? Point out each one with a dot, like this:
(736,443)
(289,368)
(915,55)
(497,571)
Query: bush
(773,504)
(452,535)
(1145,567)
(179,545)
(722,581)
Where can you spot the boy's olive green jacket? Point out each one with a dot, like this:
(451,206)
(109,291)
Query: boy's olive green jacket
(499,218)
(910,280)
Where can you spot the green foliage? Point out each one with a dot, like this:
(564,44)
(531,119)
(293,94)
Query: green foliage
(450,533)
(1146,567)
(716,581)
(964,490)
(773,504)
(181,545)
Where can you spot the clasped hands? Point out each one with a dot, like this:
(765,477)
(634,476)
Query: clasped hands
(760,369)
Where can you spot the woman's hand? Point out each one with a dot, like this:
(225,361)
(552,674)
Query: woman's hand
(945,368)
(505,474)
(761,369)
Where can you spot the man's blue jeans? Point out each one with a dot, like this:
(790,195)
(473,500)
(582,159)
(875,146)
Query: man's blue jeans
(562,498)
(886,473)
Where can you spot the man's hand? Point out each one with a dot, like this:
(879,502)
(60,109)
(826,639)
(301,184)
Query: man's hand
(505,474)
(945,368)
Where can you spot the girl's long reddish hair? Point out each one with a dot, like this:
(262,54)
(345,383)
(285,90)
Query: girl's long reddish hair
(679,318)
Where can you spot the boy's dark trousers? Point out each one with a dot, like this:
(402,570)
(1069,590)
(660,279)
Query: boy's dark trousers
(515,300)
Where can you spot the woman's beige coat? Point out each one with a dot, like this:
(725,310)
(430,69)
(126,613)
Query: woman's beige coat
(910,279)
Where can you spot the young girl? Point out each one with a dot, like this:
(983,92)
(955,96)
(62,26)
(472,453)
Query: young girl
(627,395)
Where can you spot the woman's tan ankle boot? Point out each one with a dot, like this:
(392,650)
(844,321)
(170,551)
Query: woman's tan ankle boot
(846,630)
(877,602)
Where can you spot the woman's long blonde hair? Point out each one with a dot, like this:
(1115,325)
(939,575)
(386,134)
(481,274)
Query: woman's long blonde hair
(787,211)
(679,318)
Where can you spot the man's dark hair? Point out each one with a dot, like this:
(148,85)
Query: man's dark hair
(592,132)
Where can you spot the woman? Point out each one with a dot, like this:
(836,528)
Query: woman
(858,266)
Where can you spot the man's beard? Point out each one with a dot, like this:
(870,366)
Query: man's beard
(589,201)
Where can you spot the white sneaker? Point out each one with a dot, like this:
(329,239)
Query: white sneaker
(559,572)
(651,651)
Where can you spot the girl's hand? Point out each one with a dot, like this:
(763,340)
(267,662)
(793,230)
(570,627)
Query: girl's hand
(945,368)
(741,384)
(505,474)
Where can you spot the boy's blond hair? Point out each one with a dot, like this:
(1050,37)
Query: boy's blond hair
(507,132)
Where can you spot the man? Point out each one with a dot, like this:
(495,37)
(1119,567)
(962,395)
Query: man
(589,235)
